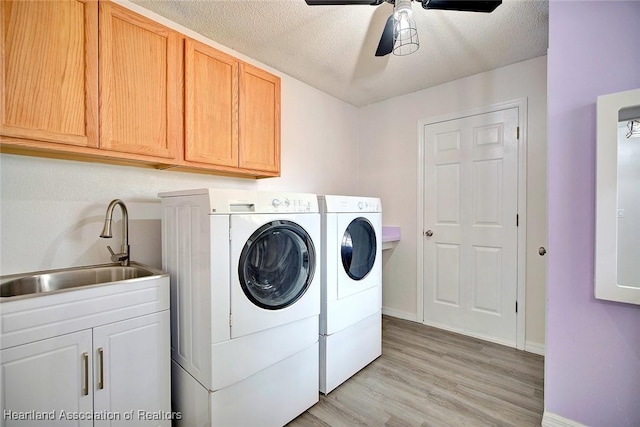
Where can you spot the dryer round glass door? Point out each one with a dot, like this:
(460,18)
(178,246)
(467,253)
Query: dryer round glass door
(277,264)
(358,248)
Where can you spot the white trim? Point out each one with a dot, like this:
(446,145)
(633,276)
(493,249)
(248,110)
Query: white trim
(521,105)
(549,419)
(399,314)
(534,347)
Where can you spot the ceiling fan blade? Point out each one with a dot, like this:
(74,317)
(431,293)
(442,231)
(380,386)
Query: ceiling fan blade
(462,5)
(342,2)
(387,40)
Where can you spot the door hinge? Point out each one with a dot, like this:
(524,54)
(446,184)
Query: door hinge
(229,232)
(518,132)
(516,306)
(517,220)
(230,320)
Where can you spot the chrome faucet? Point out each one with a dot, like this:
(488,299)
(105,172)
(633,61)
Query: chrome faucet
(125,255)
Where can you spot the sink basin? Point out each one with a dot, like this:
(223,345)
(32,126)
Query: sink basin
(32,284)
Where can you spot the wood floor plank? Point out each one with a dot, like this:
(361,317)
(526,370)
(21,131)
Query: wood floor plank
(427,377)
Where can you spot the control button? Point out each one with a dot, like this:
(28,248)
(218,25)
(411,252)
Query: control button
(275,203)
(360,205)
(287,202)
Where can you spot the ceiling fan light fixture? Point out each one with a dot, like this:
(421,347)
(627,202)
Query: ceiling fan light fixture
(405,31)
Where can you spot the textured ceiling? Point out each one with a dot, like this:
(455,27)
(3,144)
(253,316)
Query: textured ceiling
(332,47)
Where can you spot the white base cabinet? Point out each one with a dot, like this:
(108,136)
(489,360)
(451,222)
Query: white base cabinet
(112,375)
(96,356)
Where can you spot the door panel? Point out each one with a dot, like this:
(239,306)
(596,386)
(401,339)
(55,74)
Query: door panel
(211,113)
(471,199)
(447,284)
(140,84)
(259,119)
(49,89)
(48,376)
(132,370)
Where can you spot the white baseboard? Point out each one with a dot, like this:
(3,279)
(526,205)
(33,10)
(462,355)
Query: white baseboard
(471,334)
(534,347)
(550,419)
(399,314)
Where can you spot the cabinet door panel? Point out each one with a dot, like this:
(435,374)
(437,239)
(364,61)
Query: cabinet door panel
(45,376)
(211,105)
(133,359)
(139,84)
(259,119)
(49,64)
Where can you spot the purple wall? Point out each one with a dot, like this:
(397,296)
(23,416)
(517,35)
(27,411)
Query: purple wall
(592,366)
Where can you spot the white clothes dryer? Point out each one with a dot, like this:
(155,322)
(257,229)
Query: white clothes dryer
(351,293)
(245,304)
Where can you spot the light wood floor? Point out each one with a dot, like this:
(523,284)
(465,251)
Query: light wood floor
(430,377)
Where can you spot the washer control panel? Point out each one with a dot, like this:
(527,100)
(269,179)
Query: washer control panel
(331,203)
(287,202)
(294,205)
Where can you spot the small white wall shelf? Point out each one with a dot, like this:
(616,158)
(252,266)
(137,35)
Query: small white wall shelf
(390,236)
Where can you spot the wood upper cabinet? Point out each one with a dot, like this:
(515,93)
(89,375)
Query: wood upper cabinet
(259,119)
(211,106)
(140,84)
(92,80)
(49,71)
(232,112)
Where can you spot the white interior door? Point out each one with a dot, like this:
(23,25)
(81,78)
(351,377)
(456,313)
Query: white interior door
(470,233)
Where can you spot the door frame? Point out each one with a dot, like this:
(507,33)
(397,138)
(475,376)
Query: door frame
(521,105)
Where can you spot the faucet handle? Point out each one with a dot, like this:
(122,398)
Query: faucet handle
(117,257)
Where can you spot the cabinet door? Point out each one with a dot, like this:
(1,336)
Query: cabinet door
(49,66)
(211,105)
(259,119)
(51,377)
(140,80)
(133,369)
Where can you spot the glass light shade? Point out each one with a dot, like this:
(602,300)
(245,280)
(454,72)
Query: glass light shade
(405,32)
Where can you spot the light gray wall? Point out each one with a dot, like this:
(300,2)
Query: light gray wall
(389,170)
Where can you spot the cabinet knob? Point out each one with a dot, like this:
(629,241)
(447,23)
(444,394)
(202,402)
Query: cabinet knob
(428,233)
(542,251)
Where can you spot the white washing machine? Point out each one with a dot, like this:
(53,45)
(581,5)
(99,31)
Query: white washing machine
(351,310)
(245,305)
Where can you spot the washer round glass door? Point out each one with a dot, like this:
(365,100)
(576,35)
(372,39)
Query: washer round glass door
(358,248)
(277,264)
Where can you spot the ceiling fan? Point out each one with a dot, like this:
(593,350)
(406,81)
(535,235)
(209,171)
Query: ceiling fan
(400,26)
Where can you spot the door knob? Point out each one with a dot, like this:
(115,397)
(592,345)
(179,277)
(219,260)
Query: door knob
(542,251)
(428,233)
